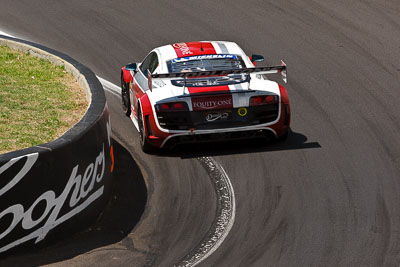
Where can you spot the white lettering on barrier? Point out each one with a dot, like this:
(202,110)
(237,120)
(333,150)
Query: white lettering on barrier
(80,186)
(30,160)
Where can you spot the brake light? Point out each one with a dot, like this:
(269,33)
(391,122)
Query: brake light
(263,100)
(255,100)
(164,106)
(173,106)
(271,99)
(178,105)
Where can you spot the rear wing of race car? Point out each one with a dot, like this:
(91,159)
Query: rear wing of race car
(196,74)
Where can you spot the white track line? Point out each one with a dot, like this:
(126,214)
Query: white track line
(109,86)
(226,206)
(6,34)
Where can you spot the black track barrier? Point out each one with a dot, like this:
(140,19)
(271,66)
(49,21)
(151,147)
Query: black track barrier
(61,187)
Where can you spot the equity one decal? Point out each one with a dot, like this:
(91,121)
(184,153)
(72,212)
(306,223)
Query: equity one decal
(201,103)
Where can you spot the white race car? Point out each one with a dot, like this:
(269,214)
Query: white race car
(203,91)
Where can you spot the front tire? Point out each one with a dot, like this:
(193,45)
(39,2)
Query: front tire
(126,102)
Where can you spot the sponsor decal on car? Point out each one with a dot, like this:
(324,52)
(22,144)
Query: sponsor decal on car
(184,49)
(217,116)
(194,49)
(220,56)
(207,103)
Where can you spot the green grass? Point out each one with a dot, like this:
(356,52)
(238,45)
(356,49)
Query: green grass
(38,101)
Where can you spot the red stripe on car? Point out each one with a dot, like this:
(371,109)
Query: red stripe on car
(194,90)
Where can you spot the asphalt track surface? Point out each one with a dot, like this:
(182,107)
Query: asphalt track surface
(329,196)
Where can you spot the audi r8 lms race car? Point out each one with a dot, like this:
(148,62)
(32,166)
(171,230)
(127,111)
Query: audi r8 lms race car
(203,91)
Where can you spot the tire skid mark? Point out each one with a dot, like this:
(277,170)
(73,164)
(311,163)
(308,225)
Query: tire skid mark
(226,206)
(223,222)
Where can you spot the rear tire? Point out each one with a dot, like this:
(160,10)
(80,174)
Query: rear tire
(126,102)
(144,143)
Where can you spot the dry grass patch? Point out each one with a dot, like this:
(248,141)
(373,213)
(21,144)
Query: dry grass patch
(39,101)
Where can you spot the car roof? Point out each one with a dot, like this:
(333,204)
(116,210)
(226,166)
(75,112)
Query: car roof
(186,49)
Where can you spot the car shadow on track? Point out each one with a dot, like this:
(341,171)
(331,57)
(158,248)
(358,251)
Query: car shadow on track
(295,141)
(119,217)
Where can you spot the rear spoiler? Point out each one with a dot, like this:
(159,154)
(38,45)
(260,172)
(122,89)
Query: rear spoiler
(258,70)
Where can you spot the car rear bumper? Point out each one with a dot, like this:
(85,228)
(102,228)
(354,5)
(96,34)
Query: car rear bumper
(159,138)
(217,137)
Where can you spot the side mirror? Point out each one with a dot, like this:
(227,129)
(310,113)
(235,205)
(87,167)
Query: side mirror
(132,66)
(257,58)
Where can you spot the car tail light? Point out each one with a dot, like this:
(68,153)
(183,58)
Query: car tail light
(173,106)
(163,107)
(263,100)
(178,105)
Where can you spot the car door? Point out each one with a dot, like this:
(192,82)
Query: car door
(140,83)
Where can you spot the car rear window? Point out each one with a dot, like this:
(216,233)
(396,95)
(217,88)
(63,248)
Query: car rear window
(208,63)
